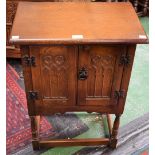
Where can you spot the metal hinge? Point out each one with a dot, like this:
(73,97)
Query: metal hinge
(118,94)
(32,95)
(29,61)
(125,60)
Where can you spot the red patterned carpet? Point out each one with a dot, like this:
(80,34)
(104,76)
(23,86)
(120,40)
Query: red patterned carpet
(18,122)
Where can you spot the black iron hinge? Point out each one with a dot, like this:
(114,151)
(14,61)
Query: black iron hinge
(125,60)
(118,94)
(32,95)
(29,61)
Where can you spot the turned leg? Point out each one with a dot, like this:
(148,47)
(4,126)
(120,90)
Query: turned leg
(136,5)
(113,141)
(35,123)
(145,8)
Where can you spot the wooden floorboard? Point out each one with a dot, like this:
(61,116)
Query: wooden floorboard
(132,137)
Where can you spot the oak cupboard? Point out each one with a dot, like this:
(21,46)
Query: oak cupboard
(77,57)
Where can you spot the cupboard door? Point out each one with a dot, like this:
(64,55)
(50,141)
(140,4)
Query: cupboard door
(54,75)
(99,74)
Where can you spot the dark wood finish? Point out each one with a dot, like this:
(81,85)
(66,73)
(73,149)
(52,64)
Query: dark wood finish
(88,74)
(145,4)
(135,4)
(141,7)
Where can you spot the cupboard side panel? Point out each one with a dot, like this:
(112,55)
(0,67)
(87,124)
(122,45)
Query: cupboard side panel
(126,77)
(27,80)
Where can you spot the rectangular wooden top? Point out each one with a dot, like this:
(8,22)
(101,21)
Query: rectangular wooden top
(76,22)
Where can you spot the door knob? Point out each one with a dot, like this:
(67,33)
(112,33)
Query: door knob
(83,74)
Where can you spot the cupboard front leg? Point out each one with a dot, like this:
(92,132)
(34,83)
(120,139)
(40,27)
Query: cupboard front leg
(113,141)
(35,123)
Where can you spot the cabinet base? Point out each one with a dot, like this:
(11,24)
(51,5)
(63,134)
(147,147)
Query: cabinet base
(41,143)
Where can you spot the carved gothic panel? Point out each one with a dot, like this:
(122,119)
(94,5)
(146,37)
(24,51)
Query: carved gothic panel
(54,68)
(100,68)
(57,70)
(54,74)
(102,64)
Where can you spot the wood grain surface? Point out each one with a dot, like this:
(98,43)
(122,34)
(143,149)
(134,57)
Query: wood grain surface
(55,23)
